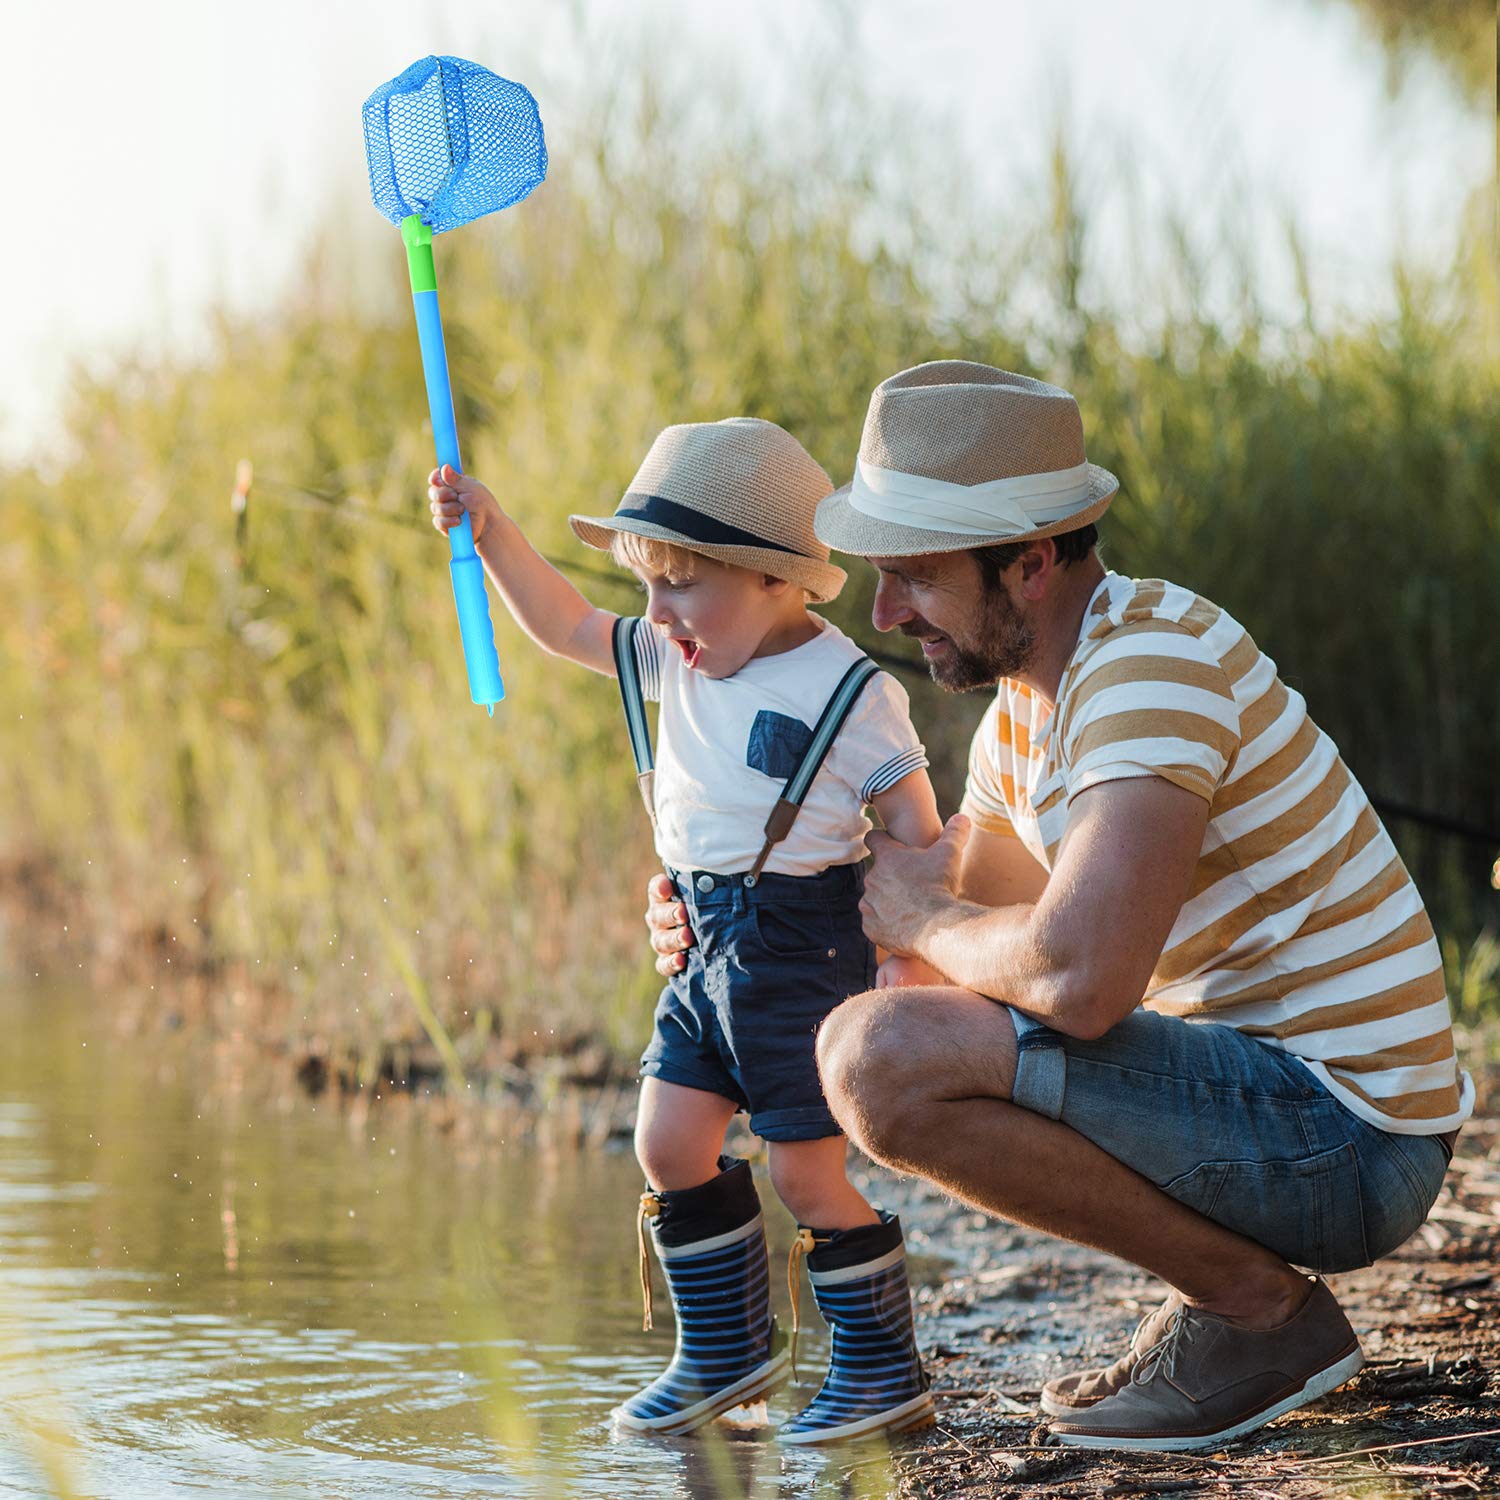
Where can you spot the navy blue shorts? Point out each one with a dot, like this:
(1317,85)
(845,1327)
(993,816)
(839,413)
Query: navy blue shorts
(769,962)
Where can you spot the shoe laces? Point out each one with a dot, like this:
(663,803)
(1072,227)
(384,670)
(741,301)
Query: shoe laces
(1140,1328)
(1162,1355)
(803,1245)
(650,1208)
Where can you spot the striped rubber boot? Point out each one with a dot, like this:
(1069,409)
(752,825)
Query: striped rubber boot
(875,1379)
(711,1242)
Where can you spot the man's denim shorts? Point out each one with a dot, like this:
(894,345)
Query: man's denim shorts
(1237,1129)
(769,962)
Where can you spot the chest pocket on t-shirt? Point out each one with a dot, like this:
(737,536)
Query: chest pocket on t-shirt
(777,744)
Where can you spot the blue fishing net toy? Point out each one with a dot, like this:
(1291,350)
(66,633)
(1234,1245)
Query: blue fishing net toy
(448,142)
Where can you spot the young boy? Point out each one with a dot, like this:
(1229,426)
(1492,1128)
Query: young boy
(717,526)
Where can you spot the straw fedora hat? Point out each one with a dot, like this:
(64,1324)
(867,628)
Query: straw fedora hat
(741,491)
(957,455)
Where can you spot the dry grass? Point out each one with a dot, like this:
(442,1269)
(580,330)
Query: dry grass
(254,746)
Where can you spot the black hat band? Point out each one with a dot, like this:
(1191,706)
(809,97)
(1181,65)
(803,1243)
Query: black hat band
(693,524)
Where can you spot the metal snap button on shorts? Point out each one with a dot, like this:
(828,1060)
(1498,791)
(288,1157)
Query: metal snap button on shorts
(769,962)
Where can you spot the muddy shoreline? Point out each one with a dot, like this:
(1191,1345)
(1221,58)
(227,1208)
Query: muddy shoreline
(1021,1308)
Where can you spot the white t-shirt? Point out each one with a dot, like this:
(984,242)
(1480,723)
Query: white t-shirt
(726,746)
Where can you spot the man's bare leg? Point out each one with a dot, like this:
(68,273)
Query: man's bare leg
(921,1080)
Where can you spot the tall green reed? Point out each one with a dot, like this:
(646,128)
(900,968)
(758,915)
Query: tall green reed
(266,759)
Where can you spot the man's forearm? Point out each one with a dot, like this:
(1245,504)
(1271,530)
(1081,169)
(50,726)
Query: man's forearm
(995,951)
(1085,954)
(982,948)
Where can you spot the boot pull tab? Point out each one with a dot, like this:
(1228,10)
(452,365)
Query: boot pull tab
(805,1242)
(650,1208)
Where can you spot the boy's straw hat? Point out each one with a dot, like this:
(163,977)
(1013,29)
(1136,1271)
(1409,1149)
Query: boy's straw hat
(741,491)
(957,455)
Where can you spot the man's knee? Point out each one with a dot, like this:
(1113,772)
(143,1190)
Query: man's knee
(833,1041)
(849,1041)
(888,1058)
(869,1069)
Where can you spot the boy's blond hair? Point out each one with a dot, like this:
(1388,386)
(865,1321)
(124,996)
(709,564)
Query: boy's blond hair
(653,554)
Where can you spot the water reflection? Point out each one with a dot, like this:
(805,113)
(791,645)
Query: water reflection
(204,1292)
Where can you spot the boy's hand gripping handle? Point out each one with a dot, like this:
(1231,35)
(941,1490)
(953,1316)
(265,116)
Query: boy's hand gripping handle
(480,657)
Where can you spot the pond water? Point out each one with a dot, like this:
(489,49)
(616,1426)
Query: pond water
(212,1289)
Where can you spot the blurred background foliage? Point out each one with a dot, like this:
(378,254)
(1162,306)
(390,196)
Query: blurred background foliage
(1459,34)
(245,746)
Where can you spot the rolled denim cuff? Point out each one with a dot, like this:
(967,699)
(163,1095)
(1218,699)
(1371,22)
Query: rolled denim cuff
(1041,1067)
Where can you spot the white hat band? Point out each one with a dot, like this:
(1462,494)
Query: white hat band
(1002,507)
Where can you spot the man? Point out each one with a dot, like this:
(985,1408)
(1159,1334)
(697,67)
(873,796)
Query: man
(1171,992)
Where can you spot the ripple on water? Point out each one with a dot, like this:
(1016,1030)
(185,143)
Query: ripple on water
(218,1300)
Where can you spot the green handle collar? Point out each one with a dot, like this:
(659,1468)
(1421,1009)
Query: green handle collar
(417,237)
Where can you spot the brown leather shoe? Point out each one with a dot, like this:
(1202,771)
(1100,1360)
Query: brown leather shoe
(1085,1388)
(1209,1380)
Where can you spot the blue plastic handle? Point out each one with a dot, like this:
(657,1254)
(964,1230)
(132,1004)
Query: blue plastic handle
(480,656)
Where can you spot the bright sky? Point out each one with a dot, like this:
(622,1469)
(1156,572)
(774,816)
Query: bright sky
(174,147)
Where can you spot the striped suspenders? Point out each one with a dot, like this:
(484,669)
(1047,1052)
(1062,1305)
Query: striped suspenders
(798,784)
(627,674)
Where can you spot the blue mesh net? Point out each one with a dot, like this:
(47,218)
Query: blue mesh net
(451,141)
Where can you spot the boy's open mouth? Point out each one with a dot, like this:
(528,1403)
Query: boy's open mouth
(691,650)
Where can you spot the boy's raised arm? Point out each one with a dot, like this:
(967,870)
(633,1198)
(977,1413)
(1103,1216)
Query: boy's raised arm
(543,603)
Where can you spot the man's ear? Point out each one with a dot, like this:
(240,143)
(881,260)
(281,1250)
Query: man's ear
(1038,564)
(773,585)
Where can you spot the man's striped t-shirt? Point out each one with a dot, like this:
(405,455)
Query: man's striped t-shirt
(1302,926)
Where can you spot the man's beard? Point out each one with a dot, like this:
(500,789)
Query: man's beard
(1003,645)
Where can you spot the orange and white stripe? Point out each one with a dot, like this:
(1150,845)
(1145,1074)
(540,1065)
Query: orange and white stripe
(1302,925)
